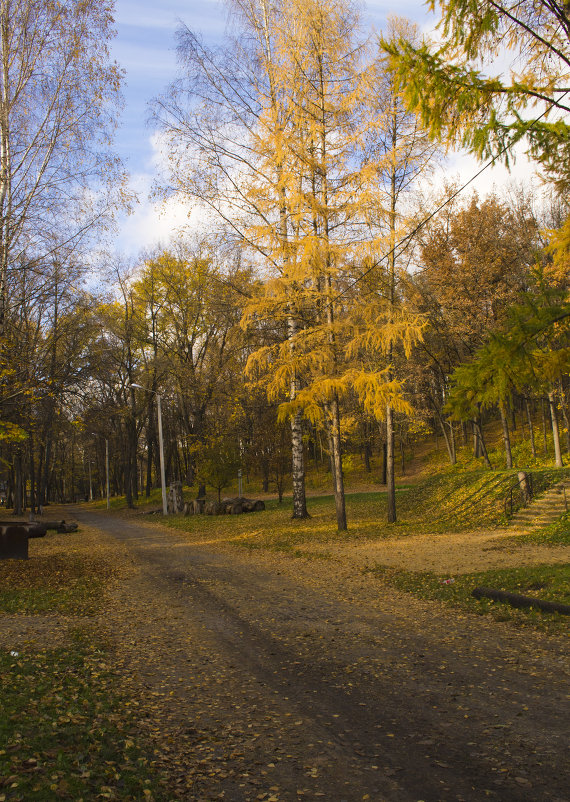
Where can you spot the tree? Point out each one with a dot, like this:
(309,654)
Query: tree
(213,118)
(57,92)
(531,349)
(273,132)
(489,114)
(475,261)
(400,152)
(189,305)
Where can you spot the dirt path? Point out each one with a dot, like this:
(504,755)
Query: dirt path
(266,678)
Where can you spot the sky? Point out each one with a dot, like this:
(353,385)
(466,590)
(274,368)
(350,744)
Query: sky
(145,47)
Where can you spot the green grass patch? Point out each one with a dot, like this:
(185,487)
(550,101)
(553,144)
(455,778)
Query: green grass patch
(274,529)
(68,584)
(65,731)
(451,501)
(546,582)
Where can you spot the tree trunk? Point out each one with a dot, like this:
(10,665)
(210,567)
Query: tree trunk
(298,468)
(297,455)
(384,462)
(544,428)
(390,478)
(18,510)
(367,449)
(336,461)
(31,445)
(530,428)
(555,430)
(506,438)
(564,407)
(483,448)
(449,438)
(476,442)
(149,457)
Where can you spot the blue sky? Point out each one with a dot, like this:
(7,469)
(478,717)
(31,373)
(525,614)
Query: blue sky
(145,48)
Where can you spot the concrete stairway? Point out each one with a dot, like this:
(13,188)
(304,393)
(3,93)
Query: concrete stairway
(544,510)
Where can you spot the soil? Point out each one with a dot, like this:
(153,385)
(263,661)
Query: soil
(257,676)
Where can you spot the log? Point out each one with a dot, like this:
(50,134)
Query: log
(517,600)
(36,529)
(198,505)
(232,506)
(64,528)
(60,526)
(214,508)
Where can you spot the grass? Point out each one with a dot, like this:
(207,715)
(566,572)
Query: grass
(65,730)
(555,534)
(452,500)
(546,582)
(66,727)
(68,584)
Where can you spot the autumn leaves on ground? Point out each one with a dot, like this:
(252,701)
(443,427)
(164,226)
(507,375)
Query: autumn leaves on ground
(255,658)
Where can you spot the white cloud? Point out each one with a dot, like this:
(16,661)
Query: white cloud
(154,221)
(478,177)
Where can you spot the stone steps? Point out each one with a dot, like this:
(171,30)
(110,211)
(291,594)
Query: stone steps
(546,509)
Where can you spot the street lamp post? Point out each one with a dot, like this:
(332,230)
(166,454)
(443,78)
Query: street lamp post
(106,471)
(160,443)
(90,482)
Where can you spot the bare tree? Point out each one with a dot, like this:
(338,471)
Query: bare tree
(58,87)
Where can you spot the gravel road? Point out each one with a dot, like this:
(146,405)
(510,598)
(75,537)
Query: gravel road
(263,677)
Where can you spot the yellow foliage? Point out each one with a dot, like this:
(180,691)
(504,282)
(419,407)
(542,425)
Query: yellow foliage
(559,249)
(377,391)
(12,433)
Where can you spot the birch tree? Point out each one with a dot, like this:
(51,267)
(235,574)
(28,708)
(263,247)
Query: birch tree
(216,120)
(58,87)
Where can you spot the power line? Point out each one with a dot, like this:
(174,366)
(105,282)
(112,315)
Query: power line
(411,234)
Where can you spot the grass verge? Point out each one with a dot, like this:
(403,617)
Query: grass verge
(555,534)
(547,582)
(450,501)
(67,584)
(64,729)
(68,727)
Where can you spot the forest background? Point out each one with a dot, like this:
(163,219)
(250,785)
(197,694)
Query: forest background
(335,305)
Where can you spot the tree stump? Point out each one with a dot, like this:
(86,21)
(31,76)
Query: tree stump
(175,500)
(524,484)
